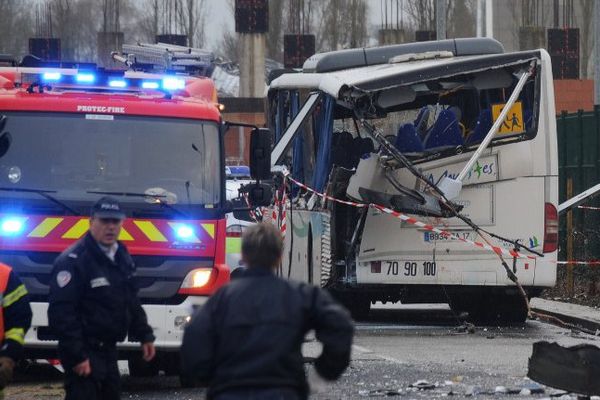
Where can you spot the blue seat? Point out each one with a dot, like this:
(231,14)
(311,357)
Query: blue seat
(421,121)
(482,127)
(407,139)
(445,132)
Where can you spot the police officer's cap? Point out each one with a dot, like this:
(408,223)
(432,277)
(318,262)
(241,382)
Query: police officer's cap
(108,207)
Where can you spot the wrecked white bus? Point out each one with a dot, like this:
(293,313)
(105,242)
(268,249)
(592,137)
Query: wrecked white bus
(422,130)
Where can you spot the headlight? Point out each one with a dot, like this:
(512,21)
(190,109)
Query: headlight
(197,278)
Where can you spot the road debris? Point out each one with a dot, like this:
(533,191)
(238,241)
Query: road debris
(575,368)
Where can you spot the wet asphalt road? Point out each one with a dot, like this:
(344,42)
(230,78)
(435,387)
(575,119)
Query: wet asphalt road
(395,348)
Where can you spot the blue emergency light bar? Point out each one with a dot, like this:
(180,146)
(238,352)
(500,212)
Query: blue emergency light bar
(117,83)
(166,83)
(85,77)
(51,76)
(172,83)
(150,85)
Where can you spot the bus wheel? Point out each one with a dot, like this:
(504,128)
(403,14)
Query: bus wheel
(499,310)
(358,306)
(138,368)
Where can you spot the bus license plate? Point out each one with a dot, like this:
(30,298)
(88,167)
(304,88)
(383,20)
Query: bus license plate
(410,268)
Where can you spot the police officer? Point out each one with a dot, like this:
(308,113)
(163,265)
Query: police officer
(15,320)
(94,305)
(245,342)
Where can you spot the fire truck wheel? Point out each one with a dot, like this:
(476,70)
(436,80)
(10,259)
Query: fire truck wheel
(138,368)
(170,364)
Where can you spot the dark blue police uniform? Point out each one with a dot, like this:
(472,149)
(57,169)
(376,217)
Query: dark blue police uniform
(94,305)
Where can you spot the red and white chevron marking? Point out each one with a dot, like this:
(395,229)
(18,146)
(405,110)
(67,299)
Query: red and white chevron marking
(415,222)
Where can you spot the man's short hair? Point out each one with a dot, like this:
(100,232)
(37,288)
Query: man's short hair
(262,246)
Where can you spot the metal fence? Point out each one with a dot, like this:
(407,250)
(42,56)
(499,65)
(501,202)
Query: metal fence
(579,169)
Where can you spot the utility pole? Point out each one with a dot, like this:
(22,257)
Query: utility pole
(440,19)
(597,52)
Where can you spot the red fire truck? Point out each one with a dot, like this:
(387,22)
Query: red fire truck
(70,134)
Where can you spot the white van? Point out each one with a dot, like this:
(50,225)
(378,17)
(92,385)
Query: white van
(387,125)
(237,177)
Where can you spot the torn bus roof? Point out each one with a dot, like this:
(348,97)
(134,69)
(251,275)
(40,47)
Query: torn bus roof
(380,77)
(362,57)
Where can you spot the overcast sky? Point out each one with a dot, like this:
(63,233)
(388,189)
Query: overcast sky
(219,19)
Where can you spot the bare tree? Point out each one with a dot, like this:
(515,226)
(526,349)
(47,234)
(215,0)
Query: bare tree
(190,19)
(76,25)
(275,34)
(421,13)
(148,21)
(336,16)
(16,26)
(230,47)
(461,21)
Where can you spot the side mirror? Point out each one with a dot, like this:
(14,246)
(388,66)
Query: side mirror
(260,154)
(240,209)
(259,194)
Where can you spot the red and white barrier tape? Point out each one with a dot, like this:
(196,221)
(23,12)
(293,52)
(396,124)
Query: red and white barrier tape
(578,262)
(413,221)
(279,213)
(283,219)
(251,212)
(589,207)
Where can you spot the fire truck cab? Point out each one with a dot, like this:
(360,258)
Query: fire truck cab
(69,135)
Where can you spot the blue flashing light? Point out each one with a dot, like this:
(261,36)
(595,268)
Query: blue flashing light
(51,76)
(85,78)
(150,85)
(11,226)
(117,83)
(171,83)
(185,232)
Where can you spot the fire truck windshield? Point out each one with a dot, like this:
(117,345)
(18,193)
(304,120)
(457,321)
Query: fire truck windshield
(76,156)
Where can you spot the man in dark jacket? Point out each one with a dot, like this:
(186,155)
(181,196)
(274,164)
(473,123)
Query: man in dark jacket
(94,305)
(245,342)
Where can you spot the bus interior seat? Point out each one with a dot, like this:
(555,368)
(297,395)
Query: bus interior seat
(362,147)
(342,146)
(421,121)
(445,132)
(482,127)
(407,140)
(456,111)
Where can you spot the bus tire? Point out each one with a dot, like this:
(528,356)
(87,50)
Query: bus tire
(499,310)
(359,306)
